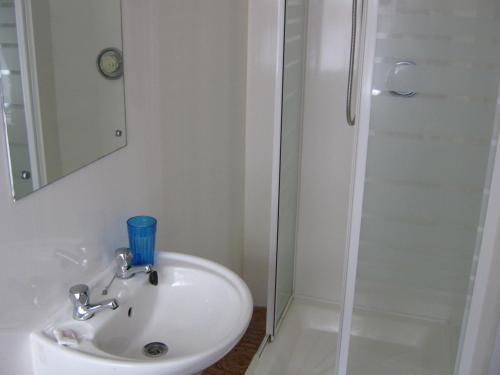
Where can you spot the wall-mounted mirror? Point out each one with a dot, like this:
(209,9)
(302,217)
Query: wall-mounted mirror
(63,99)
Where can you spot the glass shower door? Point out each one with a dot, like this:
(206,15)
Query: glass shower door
(431,140)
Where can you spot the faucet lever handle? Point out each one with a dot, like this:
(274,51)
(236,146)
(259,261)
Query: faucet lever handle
(79,294)
(123,257)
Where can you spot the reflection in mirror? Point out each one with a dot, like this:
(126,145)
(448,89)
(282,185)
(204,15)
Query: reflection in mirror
(63,99)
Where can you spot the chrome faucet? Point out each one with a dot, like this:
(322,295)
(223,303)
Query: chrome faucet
(82,309)
(124,269)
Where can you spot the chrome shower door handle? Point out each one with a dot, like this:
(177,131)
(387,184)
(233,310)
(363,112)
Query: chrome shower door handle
(392,76)
(351,118)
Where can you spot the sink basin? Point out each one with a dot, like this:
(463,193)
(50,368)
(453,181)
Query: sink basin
(198,312)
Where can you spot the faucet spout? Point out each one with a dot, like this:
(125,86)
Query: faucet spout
(131,271)
(110,304)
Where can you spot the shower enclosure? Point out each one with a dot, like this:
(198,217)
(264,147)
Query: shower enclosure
(386,228)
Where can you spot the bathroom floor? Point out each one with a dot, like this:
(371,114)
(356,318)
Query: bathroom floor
(382,344)
(237,360)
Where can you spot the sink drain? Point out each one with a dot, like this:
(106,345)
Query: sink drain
(155,349)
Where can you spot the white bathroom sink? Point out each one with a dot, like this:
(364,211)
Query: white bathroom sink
(199,310)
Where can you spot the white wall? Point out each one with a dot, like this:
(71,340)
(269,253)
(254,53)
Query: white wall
(262,114)
(183,164)
(199,75)
(326,153)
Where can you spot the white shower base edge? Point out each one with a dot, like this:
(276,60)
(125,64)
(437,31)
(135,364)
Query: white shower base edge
(382,344)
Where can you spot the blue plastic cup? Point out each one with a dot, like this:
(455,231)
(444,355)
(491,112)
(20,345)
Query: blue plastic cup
(141,237)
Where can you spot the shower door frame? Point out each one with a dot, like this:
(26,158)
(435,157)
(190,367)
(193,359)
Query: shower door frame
(364,65)
(277,66)
(481,288)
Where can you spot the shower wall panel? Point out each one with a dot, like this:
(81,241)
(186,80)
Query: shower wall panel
(326,153)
